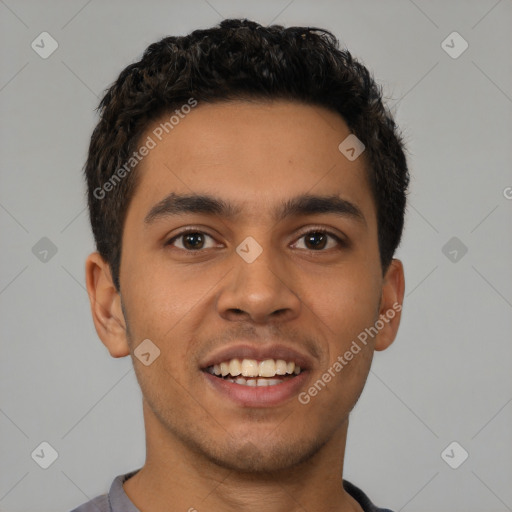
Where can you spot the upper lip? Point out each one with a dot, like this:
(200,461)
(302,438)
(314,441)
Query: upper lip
(259,352)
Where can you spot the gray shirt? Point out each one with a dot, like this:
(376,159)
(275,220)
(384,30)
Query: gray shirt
(117,500)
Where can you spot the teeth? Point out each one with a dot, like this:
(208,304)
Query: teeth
(224,369)
(235,368)
(267,368)
(255,382)
(280,367)
(251,368)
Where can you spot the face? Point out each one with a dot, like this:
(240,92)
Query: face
(279,263)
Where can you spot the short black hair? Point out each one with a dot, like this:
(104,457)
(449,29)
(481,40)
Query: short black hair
(241,59)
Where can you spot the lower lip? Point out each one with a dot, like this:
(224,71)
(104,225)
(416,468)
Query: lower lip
(258,396)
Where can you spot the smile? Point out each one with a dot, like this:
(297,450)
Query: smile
(250,372)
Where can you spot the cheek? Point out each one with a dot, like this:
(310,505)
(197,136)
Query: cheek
(346,301)
(163,293)
(167,304)
(347,307)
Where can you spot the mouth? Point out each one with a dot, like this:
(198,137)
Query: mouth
(254,373)
(256,376)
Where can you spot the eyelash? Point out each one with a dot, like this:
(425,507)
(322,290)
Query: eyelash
(339,240)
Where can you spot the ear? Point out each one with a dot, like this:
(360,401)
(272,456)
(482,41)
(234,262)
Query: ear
(106,308)
(390,309)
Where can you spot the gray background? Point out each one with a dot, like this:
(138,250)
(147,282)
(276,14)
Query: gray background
(447,376)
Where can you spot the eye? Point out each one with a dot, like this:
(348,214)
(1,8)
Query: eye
(318,239)
(191,240)
(194,240)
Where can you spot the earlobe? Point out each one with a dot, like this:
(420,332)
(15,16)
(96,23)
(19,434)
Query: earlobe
(391,304)
(106,306)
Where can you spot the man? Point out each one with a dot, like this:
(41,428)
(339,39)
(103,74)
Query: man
(246,192)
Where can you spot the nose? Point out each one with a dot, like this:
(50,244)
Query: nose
(260,291)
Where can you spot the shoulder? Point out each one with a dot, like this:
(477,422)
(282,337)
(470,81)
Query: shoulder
(115,500)
(362,498)
(98,504)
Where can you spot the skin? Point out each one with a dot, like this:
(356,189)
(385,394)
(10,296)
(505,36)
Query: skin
(204,451)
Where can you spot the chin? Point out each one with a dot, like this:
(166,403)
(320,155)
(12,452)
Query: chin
(261,457)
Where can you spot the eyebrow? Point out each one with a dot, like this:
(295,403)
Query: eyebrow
(305,204)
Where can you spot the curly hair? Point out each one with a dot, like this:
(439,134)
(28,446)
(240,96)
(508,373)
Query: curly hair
(241,59)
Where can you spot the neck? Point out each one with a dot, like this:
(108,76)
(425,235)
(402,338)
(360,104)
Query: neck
(175,474)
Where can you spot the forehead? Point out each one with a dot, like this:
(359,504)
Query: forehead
(253,155)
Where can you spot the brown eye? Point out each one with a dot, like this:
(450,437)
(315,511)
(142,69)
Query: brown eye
(193,240)
(190,240)
(318,239)
(315,240)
